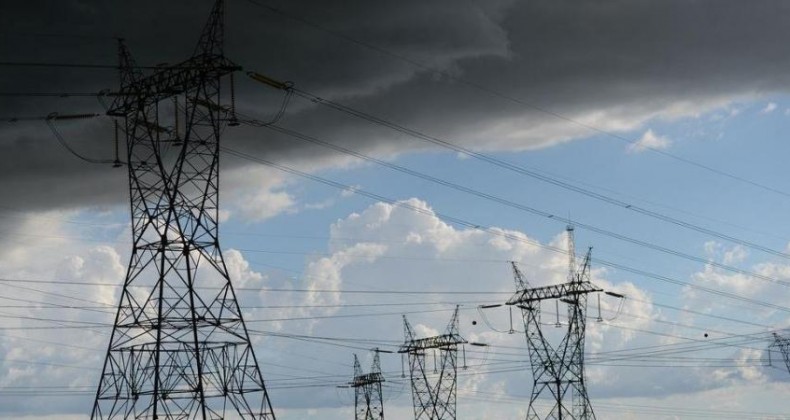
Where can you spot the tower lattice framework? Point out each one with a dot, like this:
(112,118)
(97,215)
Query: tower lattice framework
(782,344)
(558,372)
(179,347)
(433,396)
(368,396)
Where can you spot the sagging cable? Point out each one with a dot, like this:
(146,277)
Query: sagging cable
(286,86)
(52,117)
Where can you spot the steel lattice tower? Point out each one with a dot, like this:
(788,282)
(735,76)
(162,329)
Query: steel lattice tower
(178,350)
(783,345)
(433,399)
(558,372)
(368,397)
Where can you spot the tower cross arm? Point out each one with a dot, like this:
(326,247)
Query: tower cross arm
(367,378)
(552,292)
(169,81)
(782,342)
(439,341)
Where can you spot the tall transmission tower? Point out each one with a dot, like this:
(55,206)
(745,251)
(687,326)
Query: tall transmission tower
(178,350)
(434,397)
(558,372)
(368,397)
(783,345)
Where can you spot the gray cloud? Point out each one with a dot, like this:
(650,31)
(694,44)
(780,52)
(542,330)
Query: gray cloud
(612,64)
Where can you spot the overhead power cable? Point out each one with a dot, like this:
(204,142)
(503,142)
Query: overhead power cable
(534,174)
(48,94)
(97,66)
(518,206)
(496,232)
(390,304)
(594,357)
(54,116)
(630,409)
(454,76)
(102,308)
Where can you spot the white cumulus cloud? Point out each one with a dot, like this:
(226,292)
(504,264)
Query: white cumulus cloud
(649,140)
(769,108)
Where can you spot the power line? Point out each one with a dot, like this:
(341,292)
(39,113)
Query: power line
(287,290)
(101,66)
(496,232)
(536,175)
(62,65)
(48,94)
(59,36)
(523,207)
(368,314)
(630,356)
(479,87)
(634,408)
(339,291)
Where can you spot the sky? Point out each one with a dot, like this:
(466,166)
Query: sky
(428,144)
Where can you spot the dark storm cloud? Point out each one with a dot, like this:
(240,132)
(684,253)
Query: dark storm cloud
(614,64)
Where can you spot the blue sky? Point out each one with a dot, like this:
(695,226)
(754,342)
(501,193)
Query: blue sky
(287,250)
(326,272)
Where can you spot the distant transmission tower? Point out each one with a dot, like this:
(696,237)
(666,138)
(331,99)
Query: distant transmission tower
(433,399)
(783,345)
(368,398)
(558,372)
(178,350)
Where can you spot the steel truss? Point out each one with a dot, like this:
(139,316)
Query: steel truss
(558,372)
(368,396)
(179,347)
(434,398)
(782,344)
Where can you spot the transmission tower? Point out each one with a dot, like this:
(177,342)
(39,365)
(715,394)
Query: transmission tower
(178,350)
(783,345)
(434,398)
(558,372)
(368,398)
